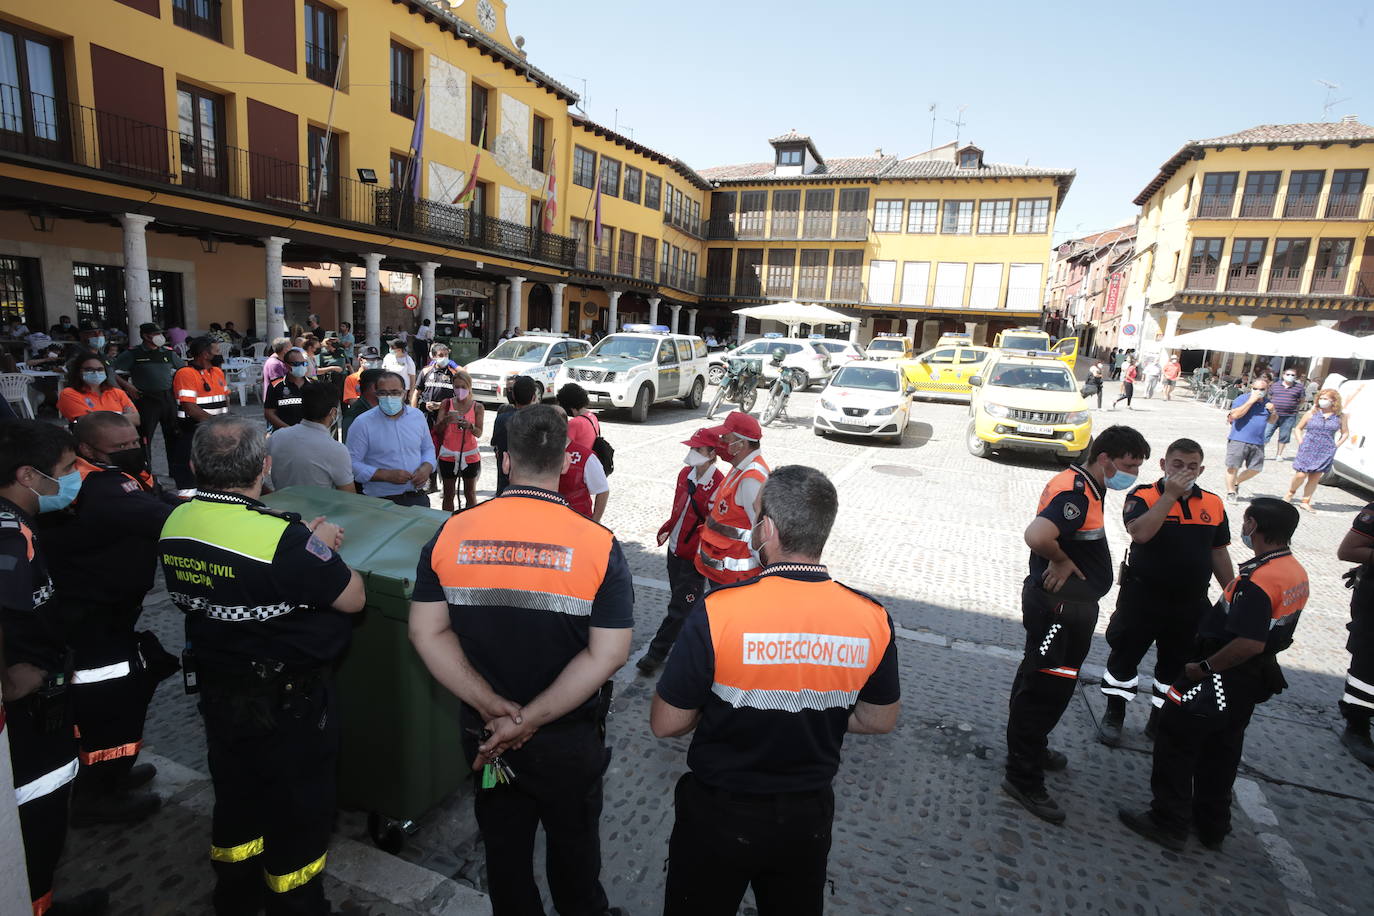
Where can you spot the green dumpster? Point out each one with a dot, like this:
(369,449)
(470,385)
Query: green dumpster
(463,350)
(402,752)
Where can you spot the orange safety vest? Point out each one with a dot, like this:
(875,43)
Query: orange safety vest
(352,383)
(203,387)
(1284,580)
(724,555)
(144,480)
(789,645)
(1077,479)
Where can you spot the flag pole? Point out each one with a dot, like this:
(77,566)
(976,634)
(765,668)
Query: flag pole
(411,165)
(329,125)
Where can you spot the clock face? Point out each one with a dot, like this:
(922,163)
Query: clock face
(486,15)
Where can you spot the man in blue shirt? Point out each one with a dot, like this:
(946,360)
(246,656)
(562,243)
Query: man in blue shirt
(1249,416)
(391,448)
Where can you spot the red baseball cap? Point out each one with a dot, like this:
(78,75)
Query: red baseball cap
(703,438)
(741,424)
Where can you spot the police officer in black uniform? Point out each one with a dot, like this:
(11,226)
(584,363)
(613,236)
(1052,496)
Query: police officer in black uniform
(37,475)
(1357,703)
(266,600)
(1179,537)
(150,367)
(103,553)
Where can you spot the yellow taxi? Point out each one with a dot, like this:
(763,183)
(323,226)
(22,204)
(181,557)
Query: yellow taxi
(889,346)
(1034,340)
(1028,403)
(944,371)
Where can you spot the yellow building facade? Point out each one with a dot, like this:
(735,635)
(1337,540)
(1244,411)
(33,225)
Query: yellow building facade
(1270,227)
(163,159)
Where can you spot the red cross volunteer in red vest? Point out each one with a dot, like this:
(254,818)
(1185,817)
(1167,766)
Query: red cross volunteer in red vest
(771,674)
(724,555)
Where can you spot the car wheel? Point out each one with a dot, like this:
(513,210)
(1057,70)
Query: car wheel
(693,399)
(1330,478)
(714,374)
(976,446)
(640,411)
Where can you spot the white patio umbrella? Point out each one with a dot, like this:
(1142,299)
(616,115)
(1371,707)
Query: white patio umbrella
(1196,340)
(795,313)
(1318,341)
(1364,347)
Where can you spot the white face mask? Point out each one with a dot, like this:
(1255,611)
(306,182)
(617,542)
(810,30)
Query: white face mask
(696,459)
(159,340)
(1324,403)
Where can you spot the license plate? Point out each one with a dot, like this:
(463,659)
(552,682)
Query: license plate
(1036,430)
(486,388)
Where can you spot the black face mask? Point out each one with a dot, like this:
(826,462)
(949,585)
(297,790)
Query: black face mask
(217,361)
(130,460)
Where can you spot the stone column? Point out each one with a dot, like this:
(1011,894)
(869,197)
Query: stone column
(653,309)
(137,294)
(677,310)
(345,292)
(1171,319)
(691,321)
(276,310)
(427,269)
(1238,360)
(930,333)
(854,330)
(614,320)
(556,311)
(502,309)
(372,309)
(514,310)
(739,329)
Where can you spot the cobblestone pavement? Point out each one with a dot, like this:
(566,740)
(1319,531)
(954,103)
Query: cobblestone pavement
(921,825)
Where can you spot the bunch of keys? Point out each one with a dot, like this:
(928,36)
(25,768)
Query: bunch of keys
(496,773)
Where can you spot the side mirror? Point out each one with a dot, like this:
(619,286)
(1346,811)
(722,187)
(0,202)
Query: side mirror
(976,381)
(925,358)
(910,390)
(555,361)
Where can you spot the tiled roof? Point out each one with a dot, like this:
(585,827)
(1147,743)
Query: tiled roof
(677,165)
(1311,132)
(791,137)
(1090,244)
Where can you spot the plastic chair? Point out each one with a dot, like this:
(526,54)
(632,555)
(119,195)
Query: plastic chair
(15,388)
(257,350)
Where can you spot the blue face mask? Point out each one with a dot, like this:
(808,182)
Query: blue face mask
(390,405)
(68,485)
(97,343)
(93,378)
(1246,540)
(299,371)
(1121,481)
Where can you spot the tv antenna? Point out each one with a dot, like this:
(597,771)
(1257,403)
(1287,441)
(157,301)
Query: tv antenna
(933,106)
(1331,90)
(958,123)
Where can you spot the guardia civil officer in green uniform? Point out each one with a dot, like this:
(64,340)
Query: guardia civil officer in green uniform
(266,599)
(150,367)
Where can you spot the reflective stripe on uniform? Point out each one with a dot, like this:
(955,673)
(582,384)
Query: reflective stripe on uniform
(785,700)
(186,392)
(236,853)
(1095,534)
(1358,692)
(1071,673)
(734,564)
(1114,688)
(280,884)
(105,673)
(739,534)
(230,613)
(111,753)
(46,784)
(1161,690)
(519,597)
(42,904)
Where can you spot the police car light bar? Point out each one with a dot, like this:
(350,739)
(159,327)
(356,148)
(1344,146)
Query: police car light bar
(815,337)
(773,335)
(648,329)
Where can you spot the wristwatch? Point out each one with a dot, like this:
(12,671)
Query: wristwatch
(1206,667)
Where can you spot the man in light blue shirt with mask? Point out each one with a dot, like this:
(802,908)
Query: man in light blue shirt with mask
(391,448)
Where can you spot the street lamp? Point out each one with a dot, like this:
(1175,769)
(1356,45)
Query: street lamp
(42,220)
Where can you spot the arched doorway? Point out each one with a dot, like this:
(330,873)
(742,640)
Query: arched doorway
(540,308)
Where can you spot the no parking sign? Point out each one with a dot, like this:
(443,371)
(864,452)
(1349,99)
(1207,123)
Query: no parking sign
(1128,331)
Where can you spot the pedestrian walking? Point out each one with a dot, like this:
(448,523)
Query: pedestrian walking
(1287,398)
(391,447)
(1070,571)
(1179,536)
(1118,360)
(1128,380)
(420,342)
(150,367)
(265,630)
(725,554)
(1171,372)
(307,454)
(696,485)
(1323,430)
(457,430)
(520,393)
(1357,703)
(530,656)
(202,393)
(1248,416)
(1093,384)
(770,674)
(1202,729)
(1152,376)
(37,475)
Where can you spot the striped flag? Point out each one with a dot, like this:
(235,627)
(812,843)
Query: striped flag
(550,193)
(417,145)
(596,202)
(469,192)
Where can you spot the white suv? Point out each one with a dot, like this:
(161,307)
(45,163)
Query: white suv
(535,355)
(808,357)
(638,368)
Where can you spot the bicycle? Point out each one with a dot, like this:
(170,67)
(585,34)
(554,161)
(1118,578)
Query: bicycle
(783,386)
(739,384)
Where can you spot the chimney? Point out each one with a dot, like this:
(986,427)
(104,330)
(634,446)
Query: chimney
(1350,119)
(878,152)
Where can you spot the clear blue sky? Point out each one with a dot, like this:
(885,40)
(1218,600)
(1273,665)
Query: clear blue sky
(1111,91)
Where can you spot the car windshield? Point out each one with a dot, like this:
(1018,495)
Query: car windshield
(633,348)
(886,344)
(866,378)
(1038,378)
(1025,342)
(520,351)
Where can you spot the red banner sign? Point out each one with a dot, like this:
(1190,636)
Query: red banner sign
(1113,296)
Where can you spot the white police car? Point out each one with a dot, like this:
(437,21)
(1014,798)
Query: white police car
(644,365)
(808,357)
(537,355)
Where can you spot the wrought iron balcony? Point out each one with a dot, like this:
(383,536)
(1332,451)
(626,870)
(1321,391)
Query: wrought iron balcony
(1215,207)
(321,63)
(848,227)
(1343,206)
(1257,206)
(1300,206)
(685,223)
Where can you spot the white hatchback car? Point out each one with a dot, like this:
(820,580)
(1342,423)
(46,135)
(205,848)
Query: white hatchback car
(808,357)
(865,399)
(535,355)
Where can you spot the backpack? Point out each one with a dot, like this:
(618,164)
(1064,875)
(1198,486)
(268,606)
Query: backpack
(605,453)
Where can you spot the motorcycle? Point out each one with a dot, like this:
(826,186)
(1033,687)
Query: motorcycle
(739,385)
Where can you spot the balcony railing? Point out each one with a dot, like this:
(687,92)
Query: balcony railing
(1285,280)
(1343,206)
(1242,279)
(199,16)
(1202,280)
(1300,206)
(1215,207)
(615,263)
(685,223)
(849,227)
(1328,281)
(1257,206)
(321,63)
(148,154)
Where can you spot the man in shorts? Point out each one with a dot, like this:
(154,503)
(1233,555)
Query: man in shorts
(1249,416)
(1172,370)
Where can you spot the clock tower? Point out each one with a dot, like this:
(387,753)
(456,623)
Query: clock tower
(487,16)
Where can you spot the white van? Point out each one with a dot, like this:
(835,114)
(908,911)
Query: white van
(1355,459)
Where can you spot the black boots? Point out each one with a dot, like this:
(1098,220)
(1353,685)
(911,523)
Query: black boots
(1357,742)
(1109,729)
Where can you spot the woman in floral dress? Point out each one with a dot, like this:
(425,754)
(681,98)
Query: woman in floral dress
(1323,431)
